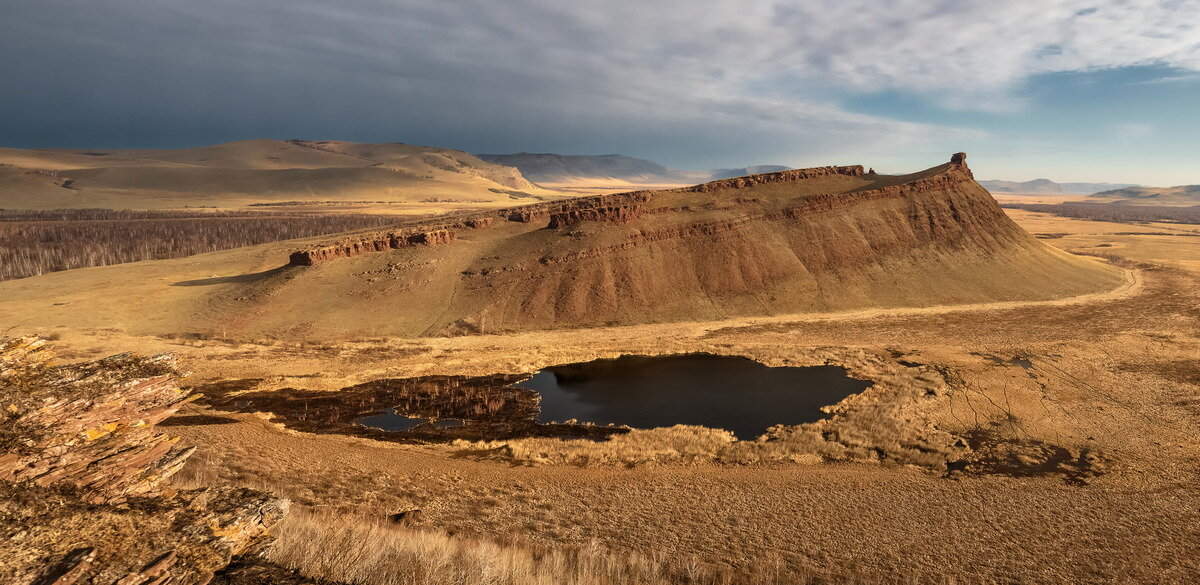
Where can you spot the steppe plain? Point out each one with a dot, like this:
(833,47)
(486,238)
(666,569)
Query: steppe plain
(1082,413)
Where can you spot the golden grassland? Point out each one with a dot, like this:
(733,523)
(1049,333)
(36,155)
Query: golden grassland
(365,551)
(1114,382)
(246,173)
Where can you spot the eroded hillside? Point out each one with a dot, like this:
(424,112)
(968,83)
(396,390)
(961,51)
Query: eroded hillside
(800,241)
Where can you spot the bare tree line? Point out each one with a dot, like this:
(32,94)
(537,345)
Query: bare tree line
(37,242)
(1115,212)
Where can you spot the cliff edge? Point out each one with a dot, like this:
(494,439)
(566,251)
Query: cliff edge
(814,240)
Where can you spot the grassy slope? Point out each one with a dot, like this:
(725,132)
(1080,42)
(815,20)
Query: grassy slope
(252,171)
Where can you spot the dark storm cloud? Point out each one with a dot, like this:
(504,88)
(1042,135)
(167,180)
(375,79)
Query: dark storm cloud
(694,83)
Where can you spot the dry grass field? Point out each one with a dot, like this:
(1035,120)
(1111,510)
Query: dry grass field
(1113,212)
(1083,466)
(370,551)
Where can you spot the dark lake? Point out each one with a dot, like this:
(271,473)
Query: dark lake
(733,393)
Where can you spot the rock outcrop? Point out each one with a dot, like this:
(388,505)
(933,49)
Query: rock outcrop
(815,240)
(91,425)
(625,205)
(612,208)
(83,470)
(372,243)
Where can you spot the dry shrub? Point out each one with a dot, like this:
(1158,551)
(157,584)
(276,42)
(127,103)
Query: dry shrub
(361,551)
(681,444)
(1114,212)
(677,444)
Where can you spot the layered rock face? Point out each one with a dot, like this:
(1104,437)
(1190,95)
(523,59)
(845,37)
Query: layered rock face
(83,496)
(92,426)
(798,241)
(370,243)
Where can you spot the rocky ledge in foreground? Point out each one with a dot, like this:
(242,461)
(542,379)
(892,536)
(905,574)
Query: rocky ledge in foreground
(83,496)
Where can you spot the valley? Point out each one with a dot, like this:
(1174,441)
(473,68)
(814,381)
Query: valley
(998,431)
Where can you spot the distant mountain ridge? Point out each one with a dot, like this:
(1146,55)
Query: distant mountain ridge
(557,169)
(1046,186)
(741,172)
(1177,195)
(611,169)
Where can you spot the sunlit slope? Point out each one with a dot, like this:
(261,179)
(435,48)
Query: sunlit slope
(605,170)
(253,171)
(805,241)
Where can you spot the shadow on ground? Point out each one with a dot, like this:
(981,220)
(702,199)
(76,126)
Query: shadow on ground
(240,278)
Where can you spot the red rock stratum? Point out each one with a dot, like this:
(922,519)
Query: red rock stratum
(799,241)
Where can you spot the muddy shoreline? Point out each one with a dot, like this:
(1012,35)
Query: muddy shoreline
(490,407)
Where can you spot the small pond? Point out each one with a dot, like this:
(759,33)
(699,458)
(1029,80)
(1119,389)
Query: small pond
(725,392)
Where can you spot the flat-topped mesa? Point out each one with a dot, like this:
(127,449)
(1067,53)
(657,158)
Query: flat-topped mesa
(618,208)
(819,240)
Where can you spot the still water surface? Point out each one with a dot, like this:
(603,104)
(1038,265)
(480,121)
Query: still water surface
(725,392)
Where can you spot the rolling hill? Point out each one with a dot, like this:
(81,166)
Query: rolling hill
(1047,187)
(1178,195)
(253,171)
(593,170)
(813,240)
(611,170)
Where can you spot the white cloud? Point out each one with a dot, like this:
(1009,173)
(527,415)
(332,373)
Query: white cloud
(1172,79)
(753,73)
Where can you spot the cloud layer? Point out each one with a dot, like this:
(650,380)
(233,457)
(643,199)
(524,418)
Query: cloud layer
(704,82)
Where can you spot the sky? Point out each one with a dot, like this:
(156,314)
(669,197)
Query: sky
(1071,90)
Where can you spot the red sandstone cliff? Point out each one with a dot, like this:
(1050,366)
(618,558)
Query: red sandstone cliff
(804,240)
